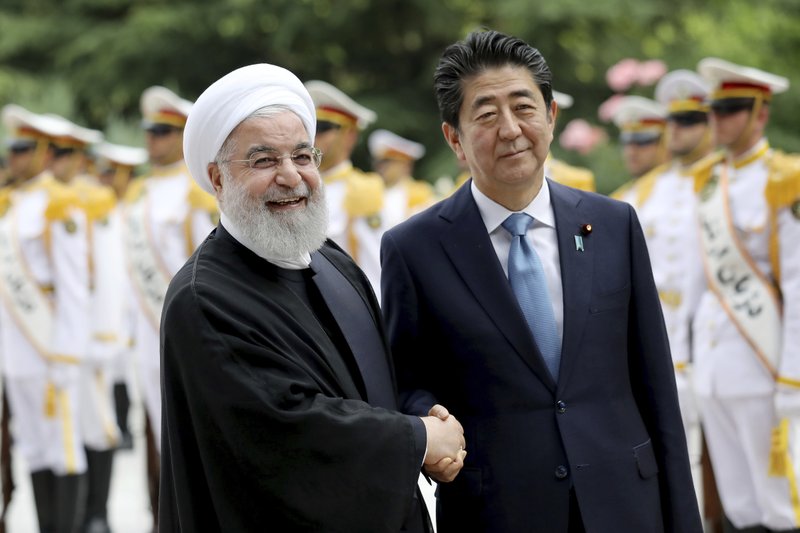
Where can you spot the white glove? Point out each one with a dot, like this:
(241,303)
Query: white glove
(63,375)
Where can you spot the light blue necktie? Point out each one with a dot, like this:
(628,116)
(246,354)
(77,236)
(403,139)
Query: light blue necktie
(530,287)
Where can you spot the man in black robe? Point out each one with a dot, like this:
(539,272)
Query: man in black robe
(279,408)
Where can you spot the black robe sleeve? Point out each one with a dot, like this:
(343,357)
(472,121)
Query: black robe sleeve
(261,432)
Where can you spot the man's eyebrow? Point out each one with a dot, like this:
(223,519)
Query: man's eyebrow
(483,100)
(265,148)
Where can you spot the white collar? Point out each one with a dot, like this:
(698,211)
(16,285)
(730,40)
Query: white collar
(493,214)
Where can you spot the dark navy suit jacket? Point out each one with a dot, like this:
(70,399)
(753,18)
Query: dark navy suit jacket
(610,428)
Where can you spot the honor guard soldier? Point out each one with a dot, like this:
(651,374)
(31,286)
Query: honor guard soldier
(116,166)
(166,217)
(666,206)
(393,157)
(44,320)
(355,198)
(108,309)
(641,124)
(747,326)
(569,175)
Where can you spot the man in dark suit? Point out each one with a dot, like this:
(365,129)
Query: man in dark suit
(547,343)
(278,392)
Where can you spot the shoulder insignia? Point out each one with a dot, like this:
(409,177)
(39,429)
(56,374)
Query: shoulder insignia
(364,196)
(200,199)
(702,170)
(783,185)
(62,199)
(97,201)
(420,193)
(571,176)
(621,191)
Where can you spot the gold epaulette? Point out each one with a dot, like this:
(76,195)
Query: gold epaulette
(420,193)
(5,200)
(200,199)
(645,184)
(620,192)
(783,185)
(135,189)
(364,195)
(575,177)
(97,201)
(701,170)
(62,199)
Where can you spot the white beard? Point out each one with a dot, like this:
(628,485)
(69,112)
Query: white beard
(282,235)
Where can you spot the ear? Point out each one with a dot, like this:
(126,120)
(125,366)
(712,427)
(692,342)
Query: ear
(216,178)
(451,135)
(552,113)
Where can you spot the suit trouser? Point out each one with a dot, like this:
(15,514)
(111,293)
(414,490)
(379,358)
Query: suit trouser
(738,433)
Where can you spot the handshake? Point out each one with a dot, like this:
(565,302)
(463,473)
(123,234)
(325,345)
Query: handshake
(446,445)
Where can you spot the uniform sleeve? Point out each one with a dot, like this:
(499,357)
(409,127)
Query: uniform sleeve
(253,437)
(789,261)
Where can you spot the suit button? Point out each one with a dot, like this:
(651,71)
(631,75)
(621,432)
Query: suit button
(561,472)
(561,406)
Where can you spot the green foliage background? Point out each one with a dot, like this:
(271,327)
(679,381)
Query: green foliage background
(89,60)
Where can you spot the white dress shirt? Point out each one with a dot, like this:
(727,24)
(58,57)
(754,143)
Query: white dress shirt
(541,235)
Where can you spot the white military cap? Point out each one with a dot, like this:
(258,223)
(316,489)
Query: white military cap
(159,105)
(730,80)
(334,106)
(639,119)
(563,100)
(23,126)
(118,154)
(383,144)
(682,91)
(76,136)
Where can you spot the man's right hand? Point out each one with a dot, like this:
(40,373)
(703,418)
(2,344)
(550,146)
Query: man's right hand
(446,445)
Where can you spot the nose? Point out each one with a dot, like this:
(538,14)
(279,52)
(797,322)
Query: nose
(509,126)
(287,174)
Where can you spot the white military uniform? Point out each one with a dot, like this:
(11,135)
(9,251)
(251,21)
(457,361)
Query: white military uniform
(748,380)
(166,217)
(44,318)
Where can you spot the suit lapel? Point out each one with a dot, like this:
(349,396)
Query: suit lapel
(469,248)
(577,271)
(358,326)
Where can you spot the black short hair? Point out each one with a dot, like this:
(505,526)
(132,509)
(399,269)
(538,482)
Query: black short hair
(479,51)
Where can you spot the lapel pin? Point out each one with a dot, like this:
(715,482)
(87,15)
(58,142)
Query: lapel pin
(579,243)
(586,229)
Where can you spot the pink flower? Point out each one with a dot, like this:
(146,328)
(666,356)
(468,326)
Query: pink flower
(609,107)
(581,136)
(623,74)
(651,71)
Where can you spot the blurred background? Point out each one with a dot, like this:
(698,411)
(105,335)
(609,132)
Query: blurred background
(90,60)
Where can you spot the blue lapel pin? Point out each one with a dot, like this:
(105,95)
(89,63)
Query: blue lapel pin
(579,243)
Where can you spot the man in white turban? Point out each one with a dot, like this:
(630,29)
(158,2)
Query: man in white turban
(279,399)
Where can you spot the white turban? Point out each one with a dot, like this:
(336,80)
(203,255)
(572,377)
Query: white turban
(230,100)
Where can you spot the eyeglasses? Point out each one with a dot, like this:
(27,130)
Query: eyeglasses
(302,158)
(161,130)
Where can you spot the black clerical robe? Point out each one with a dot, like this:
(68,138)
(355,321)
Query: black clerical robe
(265,423)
